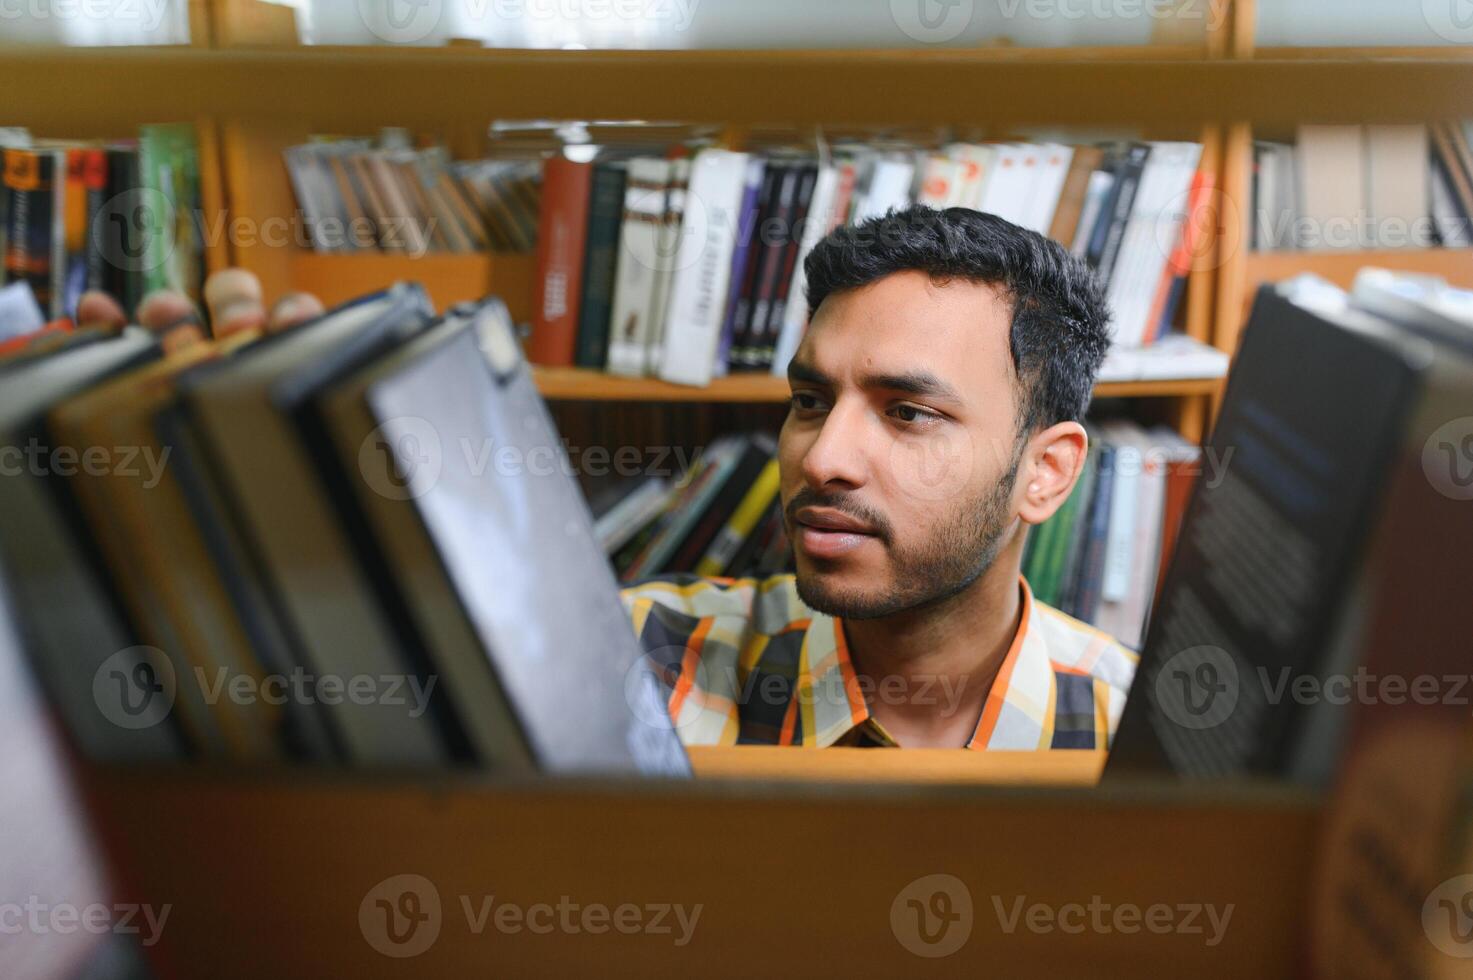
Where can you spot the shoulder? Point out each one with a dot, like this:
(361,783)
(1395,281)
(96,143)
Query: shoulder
(768,604)
(1077,647)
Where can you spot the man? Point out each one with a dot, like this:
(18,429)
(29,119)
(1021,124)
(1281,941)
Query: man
(936,400)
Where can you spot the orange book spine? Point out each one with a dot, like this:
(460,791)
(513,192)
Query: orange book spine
(561,236)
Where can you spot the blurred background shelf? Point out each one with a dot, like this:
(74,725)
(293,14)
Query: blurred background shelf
(448,278)
(582,384)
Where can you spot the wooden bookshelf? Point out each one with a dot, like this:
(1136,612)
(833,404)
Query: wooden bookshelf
(582,384)
(448,278)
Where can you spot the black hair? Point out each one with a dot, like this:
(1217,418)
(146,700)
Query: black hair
(1059,332)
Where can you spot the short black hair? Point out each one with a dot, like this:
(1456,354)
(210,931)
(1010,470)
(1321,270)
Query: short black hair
(1060,327)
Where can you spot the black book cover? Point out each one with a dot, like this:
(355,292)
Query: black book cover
(1117,217)
(600,261)
(766,348)
(1267,553)
(774,232)
(758,451)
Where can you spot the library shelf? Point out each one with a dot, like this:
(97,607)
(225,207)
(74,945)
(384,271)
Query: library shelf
(584,384)
(448,278)
(299,858)
(1150,86)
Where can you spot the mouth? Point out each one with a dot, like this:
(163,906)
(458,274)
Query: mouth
(826,533)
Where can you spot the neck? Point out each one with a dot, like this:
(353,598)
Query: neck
(928,671)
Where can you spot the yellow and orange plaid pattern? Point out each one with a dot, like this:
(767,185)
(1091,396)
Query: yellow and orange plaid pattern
(746,662)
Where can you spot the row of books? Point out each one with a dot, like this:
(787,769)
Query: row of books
(121,216)
(686,267)
(1101,555)
(723,516)
(294,548)
(384,195)
(1362,187)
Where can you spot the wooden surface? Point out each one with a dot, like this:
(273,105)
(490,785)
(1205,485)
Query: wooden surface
(355,88)
(267,879)
(449,278)
(770,762)
(582,384)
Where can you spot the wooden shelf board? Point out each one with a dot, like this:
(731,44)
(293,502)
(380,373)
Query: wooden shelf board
(582,384)
(329,86)
(846,765)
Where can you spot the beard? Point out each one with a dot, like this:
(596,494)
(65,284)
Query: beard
(927,574)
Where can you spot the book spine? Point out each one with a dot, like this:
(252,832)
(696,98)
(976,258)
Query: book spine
(1174,281)
(1126,187)
(672,228)
(560,240)
(795,317)
(743,522)
(29,176)
(1072,196)
(781,231)
(605,214)
(713,517)
(703,268)
(94,183)
(741,318)
(802,199)
(1092,574)
(634,283)
(754,191)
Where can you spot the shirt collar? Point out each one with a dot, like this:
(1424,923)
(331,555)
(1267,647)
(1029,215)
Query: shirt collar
(1016,714)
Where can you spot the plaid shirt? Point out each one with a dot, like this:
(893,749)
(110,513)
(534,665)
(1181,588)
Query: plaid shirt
(746,662)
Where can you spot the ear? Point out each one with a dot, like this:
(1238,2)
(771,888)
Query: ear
(1051,464)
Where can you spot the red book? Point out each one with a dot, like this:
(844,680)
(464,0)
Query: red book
(561,236)
(1194,231)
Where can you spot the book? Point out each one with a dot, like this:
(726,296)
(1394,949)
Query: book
(703,267)
(672,232)
(1398,193)
(585,696)
(795,311)
(561,238)
(634,285)
(765,334)
(1333,182)
(35,191)
(758,450)
(722,551)
(1073,194)
(600,261)
(754,191)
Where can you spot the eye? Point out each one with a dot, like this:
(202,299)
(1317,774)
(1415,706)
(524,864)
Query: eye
(806,401)
(914,415)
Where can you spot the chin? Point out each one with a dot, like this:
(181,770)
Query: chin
(840,594)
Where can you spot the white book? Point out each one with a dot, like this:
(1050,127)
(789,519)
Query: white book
(889,187)
(1174,357)
(1332,188)
(672,229)
(1054,160)
(1120,536)
(1011,181)
(1146,547)
(625,518)
(702,272)
(976,160)
(795,314)
(939,182)
(634,280)
(1398,196)
(1156,219)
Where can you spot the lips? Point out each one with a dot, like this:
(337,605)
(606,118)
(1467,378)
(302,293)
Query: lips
(825,533)
(826,519)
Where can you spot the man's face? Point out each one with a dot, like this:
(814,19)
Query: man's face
(899,453)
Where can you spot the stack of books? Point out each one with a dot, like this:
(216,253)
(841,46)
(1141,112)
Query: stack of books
(384,195)
(120,216)
(689,265)
(295,548)
(1101,555)
(1364,187)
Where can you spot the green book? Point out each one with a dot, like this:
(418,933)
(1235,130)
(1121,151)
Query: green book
(169,161)
(600,258)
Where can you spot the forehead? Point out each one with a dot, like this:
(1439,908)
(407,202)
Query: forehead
(905,323)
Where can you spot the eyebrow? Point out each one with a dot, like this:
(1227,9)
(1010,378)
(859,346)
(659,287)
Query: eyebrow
(919,383)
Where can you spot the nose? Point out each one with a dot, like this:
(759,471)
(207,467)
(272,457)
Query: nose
(836,459)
